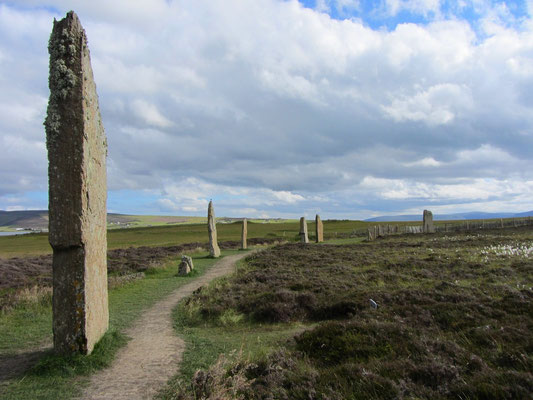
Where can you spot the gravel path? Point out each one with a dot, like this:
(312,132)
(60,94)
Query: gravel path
(152,355)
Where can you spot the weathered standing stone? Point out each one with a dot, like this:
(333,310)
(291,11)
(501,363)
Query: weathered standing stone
(371,234)
(77,151)
(214,250)
(186,266)
(303,231)
(244,235)
(319,229)
(428,222)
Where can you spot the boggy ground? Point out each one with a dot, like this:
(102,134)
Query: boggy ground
(454,320)
(35,273)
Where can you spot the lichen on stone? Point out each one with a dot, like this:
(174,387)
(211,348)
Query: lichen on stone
(62,79)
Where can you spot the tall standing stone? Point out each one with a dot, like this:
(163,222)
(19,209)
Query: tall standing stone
(214,250)
(244,236)
(428,222)
(303,231)
(77,151)
(319,227)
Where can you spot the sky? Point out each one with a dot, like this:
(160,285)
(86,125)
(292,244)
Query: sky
(284,108)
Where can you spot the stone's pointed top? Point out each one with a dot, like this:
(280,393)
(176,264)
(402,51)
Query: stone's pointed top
(70,19)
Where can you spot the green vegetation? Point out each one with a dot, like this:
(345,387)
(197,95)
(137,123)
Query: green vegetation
(37,243)
(28,327)
(454,320)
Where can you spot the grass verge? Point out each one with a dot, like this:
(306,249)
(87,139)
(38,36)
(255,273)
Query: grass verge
(56,377)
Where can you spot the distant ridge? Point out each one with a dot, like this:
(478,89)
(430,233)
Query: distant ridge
(37,220)
(450,217)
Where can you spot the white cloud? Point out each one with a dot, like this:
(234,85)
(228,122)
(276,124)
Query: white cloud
(424,162)
(277,108)
(287,197)
(438,105)
(149,113)
(423,7)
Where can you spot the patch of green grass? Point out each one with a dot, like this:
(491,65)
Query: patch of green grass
(37,243)
(25,327)
(54,376)
(234,341)
(62,377)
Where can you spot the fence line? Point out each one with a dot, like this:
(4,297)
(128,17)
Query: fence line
(456,226)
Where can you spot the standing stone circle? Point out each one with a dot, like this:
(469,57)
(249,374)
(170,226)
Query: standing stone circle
(186,266)
(77,150)
(319,229)
(428,222)
(303,231)
(244,235)
(214,250)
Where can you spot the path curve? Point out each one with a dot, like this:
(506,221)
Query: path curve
(152,355)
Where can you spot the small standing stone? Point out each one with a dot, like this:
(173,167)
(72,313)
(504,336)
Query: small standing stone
(319,229)
(303,231)
(214,250)
(186,266)
(244,235)
(428,222)
(77,150)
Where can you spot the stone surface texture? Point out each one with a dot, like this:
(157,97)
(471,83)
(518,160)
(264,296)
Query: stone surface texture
(304,238)
(428,222)
(214,250)
(186,266)
(319,227)
(244,235)
(77,151)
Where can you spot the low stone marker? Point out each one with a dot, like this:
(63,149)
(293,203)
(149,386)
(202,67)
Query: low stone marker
(244,234)
(214,250)
(303,231)
(77,151)
(186,266)
(319,229)
(428,222)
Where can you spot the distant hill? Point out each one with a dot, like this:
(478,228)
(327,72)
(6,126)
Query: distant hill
(38,220)
(35,219)
(451,217)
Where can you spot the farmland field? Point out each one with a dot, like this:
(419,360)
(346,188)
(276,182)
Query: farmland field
(444,316)
(37,243)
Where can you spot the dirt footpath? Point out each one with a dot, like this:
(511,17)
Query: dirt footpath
(152,355)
